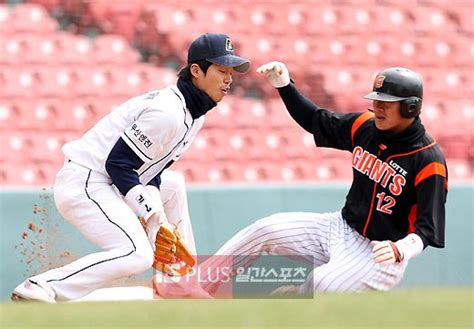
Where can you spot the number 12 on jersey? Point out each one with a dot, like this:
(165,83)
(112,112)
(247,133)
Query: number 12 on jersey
(385,202)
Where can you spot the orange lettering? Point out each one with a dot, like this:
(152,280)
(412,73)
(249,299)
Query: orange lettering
(377,170)
(368,164)
(388,174)
(397,184)
(356,153)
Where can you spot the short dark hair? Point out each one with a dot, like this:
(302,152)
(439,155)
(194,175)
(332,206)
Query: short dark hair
(185,72)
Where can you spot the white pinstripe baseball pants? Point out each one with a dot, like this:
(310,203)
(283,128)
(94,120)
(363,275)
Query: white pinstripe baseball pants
(342,258)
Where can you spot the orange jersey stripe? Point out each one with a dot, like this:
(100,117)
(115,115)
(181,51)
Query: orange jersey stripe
(358,122)
(367,220)
(434,168)
(412,219)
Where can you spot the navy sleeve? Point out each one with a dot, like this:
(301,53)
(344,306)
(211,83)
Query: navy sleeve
(121,164)
(156,181)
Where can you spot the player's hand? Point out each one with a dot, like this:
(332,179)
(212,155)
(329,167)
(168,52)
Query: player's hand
(152,225)
(386,252)
(276,73)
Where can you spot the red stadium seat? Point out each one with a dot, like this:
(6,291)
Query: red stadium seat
(463,52)
(41,49)
(25,175)
(202,149)
(49,172)
(301,145)
(292,19)
(250,113)
(297,170)
(158,77)
(434,52)
(13,49)
(223,115)
(460,170)
(32,18)
(46,148)
(213,172)
(355,19)
(214,18)
(432,20)
(97,81)
(81,114)
(400,50)
(75,49)
(56,82)
(279,116)
(124,16)
(170,18)
(323,21)
(43,115)
(24,83)
(262,171)
(223,171)
(233,145)
(50,5)
(9,115)
(392,20)
(6,20)
(114,49)
(15,146)
(464,15)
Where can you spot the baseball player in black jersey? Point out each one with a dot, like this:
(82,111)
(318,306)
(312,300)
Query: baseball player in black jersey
(396,204)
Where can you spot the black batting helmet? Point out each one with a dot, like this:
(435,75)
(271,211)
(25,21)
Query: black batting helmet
(398,84)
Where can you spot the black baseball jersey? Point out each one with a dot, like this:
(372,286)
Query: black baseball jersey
(399,179)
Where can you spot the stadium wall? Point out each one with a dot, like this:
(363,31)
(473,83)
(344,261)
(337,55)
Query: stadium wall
(34,237)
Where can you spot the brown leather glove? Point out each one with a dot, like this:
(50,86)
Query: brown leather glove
(172,256)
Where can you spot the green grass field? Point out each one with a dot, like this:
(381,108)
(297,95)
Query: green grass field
(435,308)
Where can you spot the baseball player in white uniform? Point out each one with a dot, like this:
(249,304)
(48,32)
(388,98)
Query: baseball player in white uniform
(117,173)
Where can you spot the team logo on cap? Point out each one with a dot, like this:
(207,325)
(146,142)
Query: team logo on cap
(378,82)
(228,45)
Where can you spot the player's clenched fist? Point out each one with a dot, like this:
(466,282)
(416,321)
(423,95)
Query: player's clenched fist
(276,73)
(386,252)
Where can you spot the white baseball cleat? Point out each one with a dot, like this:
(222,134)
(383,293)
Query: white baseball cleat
(31,290)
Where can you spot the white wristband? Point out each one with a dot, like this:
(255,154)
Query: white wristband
(410,246)
(155,196)
(141,202)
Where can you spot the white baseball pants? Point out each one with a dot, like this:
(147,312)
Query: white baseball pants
(341,257)
(88,201)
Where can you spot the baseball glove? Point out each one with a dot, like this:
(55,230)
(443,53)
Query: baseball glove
(172,257)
